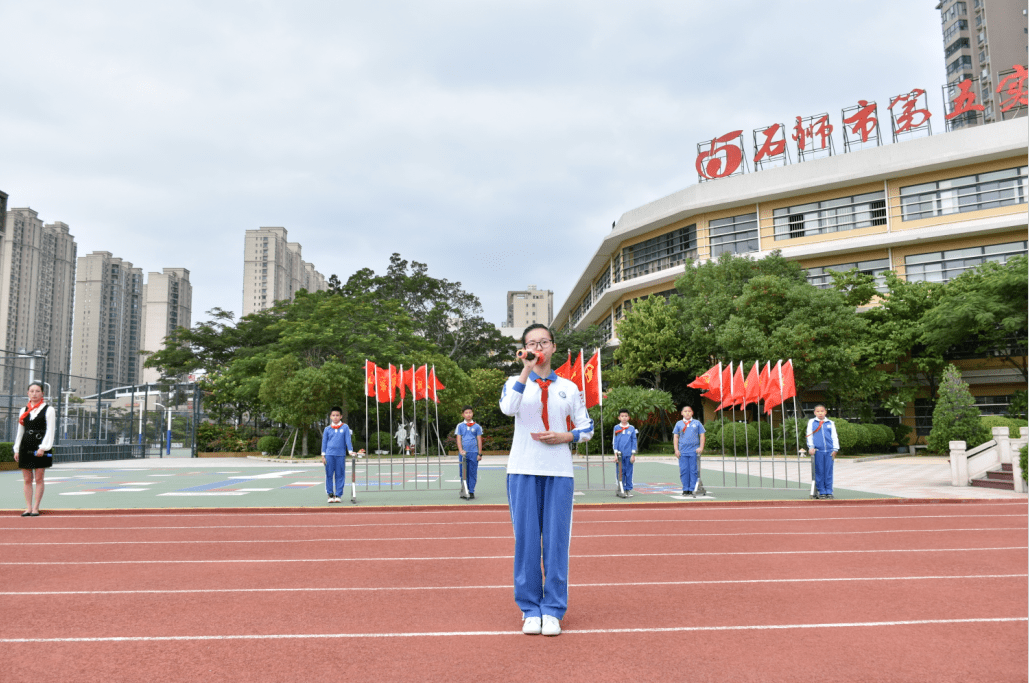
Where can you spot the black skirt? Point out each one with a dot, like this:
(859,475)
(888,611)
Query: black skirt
(31,461)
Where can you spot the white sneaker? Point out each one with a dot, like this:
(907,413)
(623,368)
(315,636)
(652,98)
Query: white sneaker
(532,626)
(551,626)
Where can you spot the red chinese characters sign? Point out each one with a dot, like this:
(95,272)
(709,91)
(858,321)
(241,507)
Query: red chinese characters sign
(722,157)
(909,114)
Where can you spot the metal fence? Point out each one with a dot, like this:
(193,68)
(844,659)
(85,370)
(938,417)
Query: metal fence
(98,419)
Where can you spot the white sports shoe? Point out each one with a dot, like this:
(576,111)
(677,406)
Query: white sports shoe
(551,626)
(532,626)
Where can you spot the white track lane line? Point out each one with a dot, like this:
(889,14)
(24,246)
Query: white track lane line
(584,509)
(504,557)
(505,522)
(444,634)
(505,537)
(631,584)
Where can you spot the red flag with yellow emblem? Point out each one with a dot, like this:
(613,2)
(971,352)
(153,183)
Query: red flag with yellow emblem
(591,380)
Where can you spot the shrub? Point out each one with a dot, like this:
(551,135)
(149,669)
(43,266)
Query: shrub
(6,452)
(737,436)
(849,435)
(713,430)
(1023,459)
(879,437)
(270,444)
(795,433)
(955,417)
(991,421)
(901,433)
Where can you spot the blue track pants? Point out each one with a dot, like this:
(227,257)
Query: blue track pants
(626,472)
(335,470)
(541,513)
(823,471)
(471,470)
(688,471)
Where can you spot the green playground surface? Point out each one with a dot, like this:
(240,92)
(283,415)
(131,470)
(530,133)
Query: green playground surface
(175,483)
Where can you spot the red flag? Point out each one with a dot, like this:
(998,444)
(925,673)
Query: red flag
(566,369)
(715,393)
(773,392)
(576,375)
(752,386)
(789,389)
(726,388)
(707,381)
(394,380)
(421,381)
(369,378)
(765,378)
(738,386)
(434,385)
(382,393)
(592,380)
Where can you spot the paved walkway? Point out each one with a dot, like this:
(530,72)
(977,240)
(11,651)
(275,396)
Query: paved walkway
(252,482)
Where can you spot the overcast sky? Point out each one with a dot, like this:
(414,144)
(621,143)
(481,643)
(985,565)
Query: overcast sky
(494,141)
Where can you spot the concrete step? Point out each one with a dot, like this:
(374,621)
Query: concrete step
(1000,475)
(994,484)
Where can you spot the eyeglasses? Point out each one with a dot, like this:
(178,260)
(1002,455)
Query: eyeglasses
(546,343)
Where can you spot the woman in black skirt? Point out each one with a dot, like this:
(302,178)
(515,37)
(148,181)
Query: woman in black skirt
(36,429)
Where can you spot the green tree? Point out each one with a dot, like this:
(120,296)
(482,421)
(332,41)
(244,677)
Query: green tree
(895,331)
(300,395)
(983,311)
(646,407)
(955,417)
(650,341)
(487,384)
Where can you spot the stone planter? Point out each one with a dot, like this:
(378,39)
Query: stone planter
(8,466)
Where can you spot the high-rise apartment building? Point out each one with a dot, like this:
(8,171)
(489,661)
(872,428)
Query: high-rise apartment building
(984,39)
(529,306)
(108,316)
(37,287)
(167,304)
(273,270)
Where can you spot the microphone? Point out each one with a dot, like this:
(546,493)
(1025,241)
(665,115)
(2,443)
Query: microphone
(522,354)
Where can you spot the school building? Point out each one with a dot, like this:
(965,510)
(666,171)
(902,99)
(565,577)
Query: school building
(927,208)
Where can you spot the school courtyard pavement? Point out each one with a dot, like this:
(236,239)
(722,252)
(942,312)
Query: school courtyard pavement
(170,482)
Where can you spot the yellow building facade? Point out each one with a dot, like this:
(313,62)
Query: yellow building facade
(928,209)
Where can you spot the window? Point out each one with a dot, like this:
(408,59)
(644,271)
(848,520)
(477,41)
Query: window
(821,277)
(923,416)
(959,25)
(955,46)
(960,64)
(968,193)
(736,235)
(943,266)
(602,283)
(658,253)
(958,8)
(605,326)
(831,215)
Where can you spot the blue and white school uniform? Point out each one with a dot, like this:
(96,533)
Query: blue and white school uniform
(468,433)
(624,444)
(824,439)
(336,445)
(689,443)
(541,488)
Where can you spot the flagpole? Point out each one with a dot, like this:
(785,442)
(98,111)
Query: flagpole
(600,394)
(746,435)
(403,446)
(771,428)
(439,443)
(735,453)
(389,369)
(367,446)
(721,411)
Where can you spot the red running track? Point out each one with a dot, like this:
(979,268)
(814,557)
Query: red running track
(837,592)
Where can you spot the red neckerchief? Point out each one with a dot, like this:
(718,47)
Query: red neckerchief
(686,423)
(337,426)
(28,409)
(821,423)
(469,424)
(545,388)
(619,431)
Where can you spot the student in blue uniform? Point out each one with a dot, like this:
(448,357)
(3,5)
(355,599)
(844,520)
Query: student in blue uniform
(336,446)
(823,444)
(624,445)
(540,482)
(469,446)
(688,441)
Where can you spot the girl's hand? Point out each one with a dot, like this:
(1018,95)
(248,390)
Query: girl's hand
(40,453)
(553,438)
